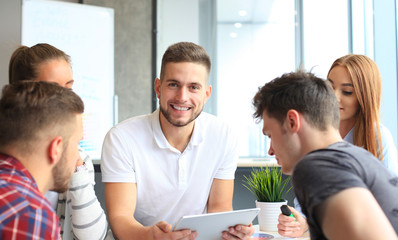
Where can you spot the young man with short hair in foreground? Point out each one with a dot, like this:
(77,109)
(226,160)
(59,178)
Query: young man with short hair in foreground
(344,191)
(40,129)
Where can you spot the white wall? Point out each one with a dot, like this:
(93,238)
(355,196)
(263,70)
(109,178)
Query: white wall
(178,20)
(10,37)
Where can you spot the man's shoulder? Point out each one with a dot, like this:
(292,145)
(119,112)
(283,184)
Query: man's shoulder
(342,154)
(23,212)
(136,120)
(339,150)
(21,199)
(212,121)
(134,124)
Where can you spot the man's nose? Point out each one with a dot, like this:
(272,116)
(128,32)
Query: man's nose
(271,150)
(182,93)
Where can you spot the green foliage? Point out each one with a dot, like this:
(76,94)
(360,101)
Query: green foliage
(267,185)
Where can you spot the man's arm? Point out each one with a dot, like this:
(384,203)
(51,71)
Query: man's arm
(354,214)
(120,200)
(87,216)
(221,194)
(120,203)
(220,200)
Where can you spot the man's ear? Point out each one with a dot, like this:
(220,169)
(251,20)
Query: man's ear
(293,121)
(55,150)
(208,92)
(157,87)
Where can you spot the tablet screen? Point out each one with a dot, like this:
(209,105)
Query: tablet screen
(211,225)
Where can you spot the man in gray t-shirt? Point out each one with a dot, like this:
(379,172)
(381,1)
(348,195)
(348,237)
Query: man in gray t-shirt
(325,172)
(344,191)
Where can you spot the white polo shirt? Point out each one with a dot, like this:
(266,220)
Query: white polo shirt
(170,184)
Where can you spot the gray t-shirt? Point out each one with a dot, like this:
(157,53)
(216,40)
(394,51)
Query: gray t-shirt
(340,166)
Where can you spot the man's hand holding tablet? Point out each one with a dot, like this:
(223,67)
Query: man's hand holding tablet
(221,225)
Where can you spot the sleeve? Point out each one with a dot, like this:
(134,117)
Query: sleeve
(230,158)
(318,177)
(117,159)
(26,221)
(389,150)
(88,220)
(298,207)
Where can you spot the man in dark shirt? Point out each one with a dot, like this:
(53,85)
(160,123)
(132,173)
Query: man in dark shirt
(344,191)
(40,128)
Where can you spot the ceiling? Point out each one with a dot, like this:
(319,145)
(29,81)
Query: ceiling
(258,11)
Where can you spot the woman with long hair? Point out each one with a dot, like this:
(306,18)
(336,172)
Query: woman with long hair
(357,84)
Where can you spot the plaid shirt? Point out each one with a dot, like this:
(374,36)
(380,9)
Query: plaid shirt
(24,212)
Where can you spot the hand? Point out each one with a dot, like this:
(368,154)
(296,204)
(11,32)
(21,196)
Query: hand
(239,232)
(292,226)
(162,231)
(79,161)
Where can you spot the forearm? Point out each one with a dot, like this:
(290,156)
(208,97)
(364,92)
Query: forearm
(220,197)
(219,208)
(88,220)
(126,227)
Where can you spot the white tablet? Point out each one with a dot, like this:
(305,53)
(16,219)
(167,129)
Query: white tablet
(211,225)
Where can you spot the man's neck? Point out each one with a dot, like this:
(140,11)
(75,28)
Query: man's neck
(320,140)
(178,137)
(35,165)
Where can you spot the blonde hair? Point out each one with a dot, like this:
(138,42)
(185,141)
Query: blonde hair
(366,79)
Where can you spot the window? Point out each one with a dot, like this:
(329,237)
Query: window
(251,42)
(255,43)
(325,33)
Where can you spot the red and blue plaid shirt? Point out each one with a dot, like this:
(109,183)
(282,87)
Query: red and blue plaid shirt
(24,212)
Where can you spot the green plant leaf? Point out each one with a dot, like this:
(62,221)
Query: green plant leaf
(267,184)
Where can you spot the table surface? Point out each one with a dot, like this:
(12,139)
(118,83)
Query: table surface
(257,162)
(277,236)
(242,162)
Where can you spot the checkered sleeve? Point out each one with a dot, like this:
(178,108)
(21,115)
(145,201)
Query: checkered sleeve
(22,220)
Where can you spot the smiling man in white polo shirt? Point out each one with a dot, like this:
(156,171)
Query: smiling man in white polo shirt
(176,161)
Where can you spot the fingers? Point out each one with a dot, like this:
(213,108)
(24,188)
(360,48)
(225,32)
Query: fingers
(183,235)
(79,161)
(162,231)
(164,226)
(296,213)
(285,219)
(290,232)
(239,232)
(191,236)
(289,227)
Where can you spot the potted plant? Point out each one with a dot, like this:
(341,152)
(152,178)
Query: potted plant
(270,190)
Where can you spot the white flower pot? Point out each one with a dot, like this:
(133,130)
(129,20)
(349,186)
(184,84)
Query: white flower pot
(268,216)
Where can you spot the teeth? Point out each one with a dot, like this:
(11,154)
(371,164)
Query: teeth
(180,108)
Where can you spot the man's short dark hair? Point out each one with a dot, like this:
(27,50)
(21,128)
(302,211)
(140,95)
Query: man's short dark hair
(185,52)
(302,91)
(30,110)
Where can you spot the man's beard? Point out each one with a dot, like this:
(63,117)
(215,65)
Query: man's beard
(167,115)
(61,174)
